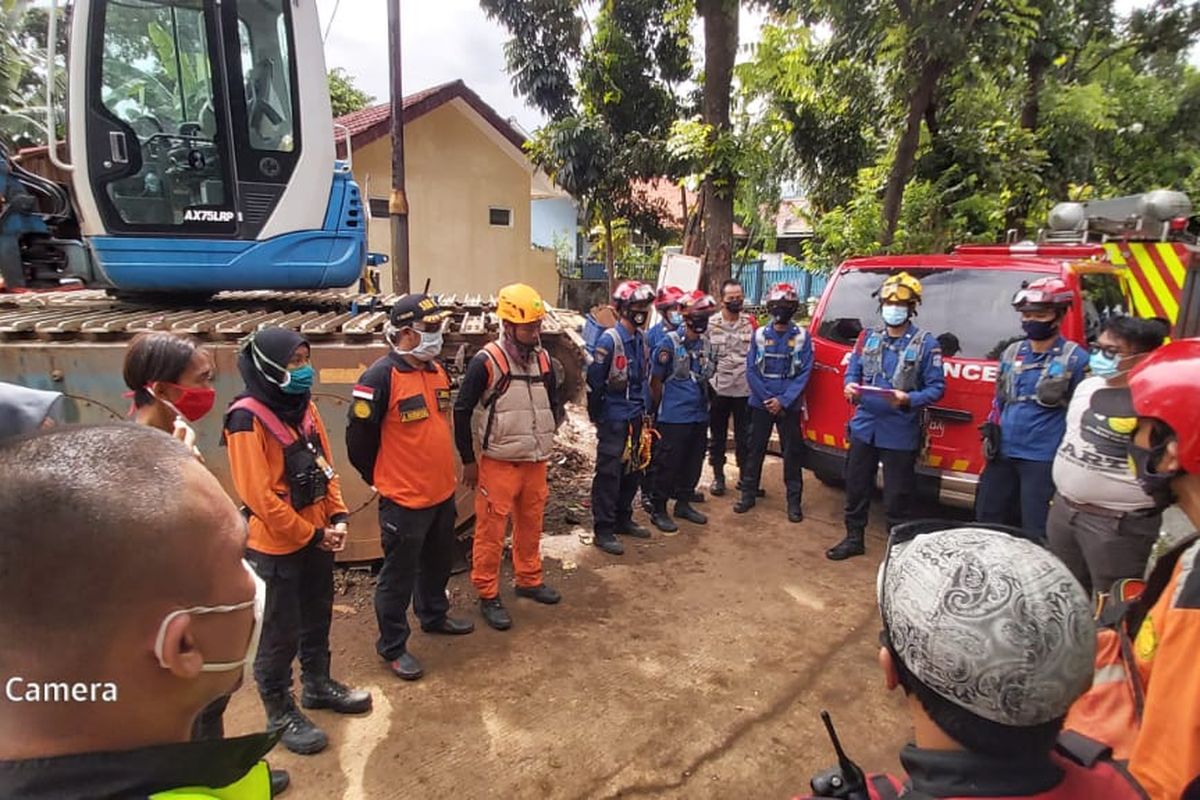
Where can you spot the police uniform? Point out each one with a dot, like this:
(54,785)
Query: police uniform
(881,432)
(619,377)
(683,366)
(1032,394)
(398,437)
(777,366)
(730,389)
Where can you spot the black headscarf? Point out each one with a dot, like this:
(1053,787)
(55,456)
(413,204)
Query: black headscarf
(262,378)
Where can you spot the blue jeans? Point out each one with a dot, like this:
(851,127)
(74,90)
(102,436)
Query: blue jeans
(1012,486)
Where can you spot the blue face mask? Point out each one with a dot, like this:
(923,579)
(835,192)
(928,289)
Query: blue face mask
(1102,365)
(301,381)
(675,318)
(894,315)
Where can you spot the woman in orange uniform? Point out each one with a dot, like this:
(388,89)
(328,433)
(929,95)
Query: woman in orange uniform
(279,457)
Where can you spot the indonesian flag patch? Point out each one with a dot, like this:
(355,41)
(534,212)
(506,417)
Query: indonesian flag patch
(364,392)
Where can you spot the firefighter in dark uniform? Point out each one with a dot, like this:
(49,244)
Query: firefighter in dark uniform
(895,371)
(1038,376)
(666,303)
(777,367)
(617,382)
(398,438)
(683,365)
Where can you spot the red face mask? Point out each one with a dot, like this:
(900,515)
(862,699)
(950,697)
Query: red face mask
(193,403)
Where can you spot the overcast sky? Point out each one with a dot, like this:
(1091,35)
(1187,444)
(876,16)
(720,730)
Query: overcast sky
(444,40)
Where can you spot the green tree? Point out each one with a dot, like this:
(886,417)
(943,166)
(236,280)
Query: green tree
(344,95)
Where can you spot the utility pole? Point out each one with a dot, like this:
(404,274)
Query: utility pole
(398,202)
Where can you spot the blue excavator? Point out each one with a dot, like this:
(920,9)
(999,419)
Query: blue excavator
(200,153)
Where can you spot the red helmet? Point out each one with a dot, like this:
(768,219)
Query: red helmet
(1163,387)
(632,293)
(668,296)
(783,293)
(699,304)
(1044,294)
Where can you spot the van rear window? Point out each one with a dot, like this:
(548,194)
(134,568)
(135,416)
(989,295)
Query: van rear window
(968,310)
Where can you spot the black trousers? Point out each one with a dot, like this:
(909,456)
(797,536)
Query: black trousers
(418,551)
(680,459)
(899,481)
(1100,547)
(720,410)
(615,482)
(788,425)
(297,617)
(1014,491)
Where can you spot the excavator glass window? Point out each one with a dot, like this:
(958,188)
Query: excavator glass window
(157,149)
(264,43)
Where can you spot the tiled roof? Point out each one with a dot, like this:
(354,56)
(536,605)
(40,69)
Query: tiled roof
(373,123)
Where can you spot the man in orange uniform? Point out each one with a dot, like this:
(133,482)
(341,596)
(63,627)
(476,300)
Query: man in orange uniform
(398,439)
(1165,455)
(507,406)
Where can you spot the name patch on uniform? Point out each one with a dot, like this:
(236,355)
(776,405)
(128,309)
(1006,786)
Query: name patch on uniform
(443,399)
(413,409)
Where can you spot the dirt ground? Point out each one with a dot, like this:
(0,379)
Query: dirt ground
(694,665)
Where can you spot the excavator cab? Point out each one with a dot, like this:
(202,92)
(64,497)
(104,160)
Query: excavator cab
(201,145)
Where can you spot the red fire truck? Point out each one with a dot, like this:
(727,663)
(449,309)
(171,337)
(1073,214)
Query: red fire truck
(1102,250)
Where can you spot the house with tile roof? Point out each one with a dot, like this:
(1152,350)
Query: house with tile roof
(470,190)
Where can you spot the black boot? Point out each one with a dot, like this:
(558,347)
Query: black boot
(631,528)
(546,595)
(795,514)
(299,734)
(717,487)
(849,547)
(280,781)
(744,503)
(660,519)
(494,613)
(684,510)
(322,691)
(696,497)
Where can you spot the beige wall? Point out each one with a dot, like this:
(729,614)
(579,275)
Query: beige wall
(455,172)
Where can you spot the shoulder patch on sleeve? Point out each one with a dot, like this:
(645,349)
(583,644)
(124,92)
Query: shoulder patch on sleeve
(664,356)
(239,421)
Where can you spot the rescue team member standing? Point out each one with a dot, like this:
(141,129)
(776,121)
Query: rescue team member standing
(279,461)
(171,379)
(618,379)
(399,440)
(667,304)
(1102,524)
(154,605)
(683,365)
(729,334)
(987,721)
(1037,377)
(508,405)
(777,367)
(895,371)
(1160,405)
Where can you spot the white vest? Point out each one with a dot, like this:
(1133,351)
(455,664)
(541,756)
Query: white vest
(516,424)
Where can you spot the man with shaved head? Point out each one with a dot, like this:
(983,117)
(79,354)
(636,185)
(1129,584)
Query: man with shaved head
(125,608)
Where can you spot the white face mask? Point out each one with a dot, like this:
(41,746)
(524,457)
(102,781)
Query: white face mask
(246,664)
(429,348)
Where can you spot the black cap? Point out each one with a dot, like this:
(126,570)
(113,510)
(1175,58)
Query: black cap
(1115,403)
(413,308)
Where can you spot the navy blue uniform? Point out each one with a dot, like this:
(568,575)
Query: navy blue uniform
(620,422)
(682,420)
(778,369)
(1022,475)
(884,433)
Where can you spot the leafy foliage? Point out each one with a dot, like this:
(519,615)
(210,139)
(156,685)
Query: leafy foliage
(344,95)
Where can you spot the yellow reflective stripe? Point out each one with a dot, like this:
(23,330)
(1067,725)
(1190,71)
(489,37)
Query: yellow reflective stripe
(829,440)
(1114,254)
(1167,253)
(1162,292)
(254,785)
(934,461)
(960,465)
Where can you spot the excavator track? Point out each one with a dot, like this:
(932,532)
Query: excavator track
(74,342)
